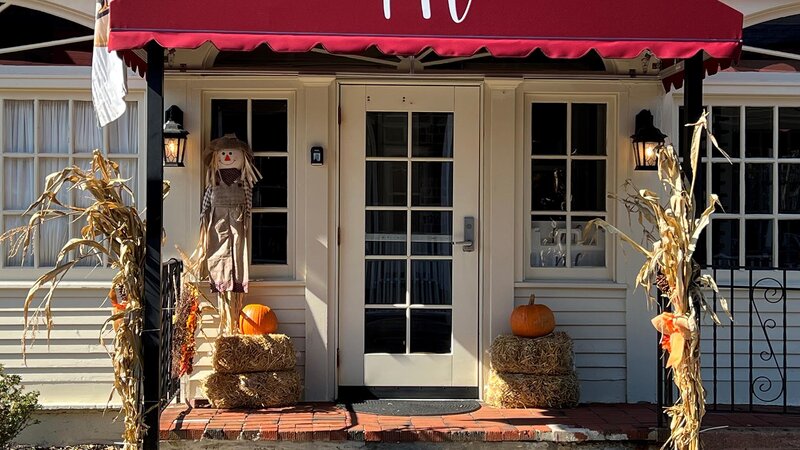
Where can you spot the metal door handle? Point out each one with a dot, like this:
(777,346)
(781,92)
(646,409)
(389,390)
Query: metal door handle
(468,244)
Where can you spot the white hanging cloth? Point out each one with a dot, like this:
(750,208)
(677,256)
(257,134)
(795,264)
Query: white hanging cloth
(109,74)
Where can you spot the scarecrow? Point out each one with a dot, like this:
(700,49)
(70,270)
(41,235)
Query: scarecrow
(225,224)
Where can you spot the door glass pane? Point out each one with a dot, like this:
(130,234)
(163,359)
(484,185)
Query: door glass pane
(588,252)
(385,282)
(271,190)
(788,188)
(385,331)
(229,116)
(548,241)
(385,233)
(789,243)
(588,185)
(387,134)
(549,128)
(431,233)
(431,282)
(758,243)
(54,126)
(726,125)
(725,183)
(270,126)
(789,132)
(758,196)
(588,129)
(431,330)
(758,132)
(432,184)
(386,183)
(269,238)
(725,242)
(432,134)
(548,185)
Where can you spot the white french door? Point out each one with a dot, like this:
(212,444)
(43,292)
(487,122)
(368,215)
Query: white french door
(408,300)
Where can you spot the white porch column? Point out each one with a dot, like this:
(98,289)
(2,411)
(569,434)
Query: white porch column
(318,232)
(502,135)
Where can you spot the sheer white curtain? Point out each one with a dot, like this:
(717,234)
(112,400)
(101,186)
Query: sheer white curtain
(54,126)
(123,133)
(18,126)
(88,134)
(16,261)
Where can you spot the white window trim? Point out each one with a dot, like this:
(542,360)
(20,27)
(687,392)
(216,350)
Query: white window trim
(713,156)
(266,272)
(572,273)
(10,273)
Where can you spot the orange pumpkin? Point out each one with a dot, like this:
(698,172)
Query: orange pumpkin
(532,320)
(257,319)
(118,302)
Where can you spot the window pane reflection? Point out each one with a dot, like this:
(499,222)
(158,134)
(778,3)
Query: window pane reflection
(789,243)
(548,185)
(385,233)
(549,129)
(385,282)
(269,238)
(431,282)
(385,331)
(387,134)
(725,183)
(758,179)
(588,249)
(758,132)
(725,248)
(726,128)
(431,233)
(431,330)
(758,243)
(588,129)
(588,186)
(432,184)
(789,132)
(432,134)
(386,183)
(548,241)
(789,188)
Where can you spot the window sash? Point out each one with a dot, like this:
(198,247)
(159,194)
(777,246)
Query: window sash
(54,151)
(710,157)
(588,272)
(266,271)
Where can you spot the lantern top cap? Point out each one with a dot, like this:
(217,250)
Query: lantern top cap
(645,130)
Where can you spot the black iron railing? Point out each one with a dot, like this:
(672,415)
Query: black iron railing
(170,293)
(751,361)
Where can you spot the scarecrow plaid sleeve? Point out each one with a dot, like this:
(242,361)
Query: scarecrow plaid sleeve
(248,201)
(206,202)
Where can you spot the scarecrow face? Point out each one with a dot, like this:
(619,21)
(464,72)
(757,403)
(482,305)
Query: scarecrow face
(230,159)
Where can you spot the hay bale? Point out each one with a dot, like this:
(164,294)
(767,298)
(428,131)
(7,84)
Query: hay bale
(547,355)
(253,390)
(253,353)
(516,390)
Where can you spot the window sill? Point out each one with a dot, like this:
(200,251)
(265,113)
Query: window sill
(26,284)
(570,284)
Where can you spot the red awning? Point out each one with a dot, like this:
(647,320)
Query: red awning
(674,29)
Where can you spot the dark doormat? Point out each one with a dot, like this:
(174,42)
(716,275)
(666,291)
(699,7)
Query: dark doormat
(391,407)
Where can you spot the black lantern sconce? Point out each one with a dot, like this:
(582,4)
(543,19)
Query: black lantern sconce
(646,141)
(174,138)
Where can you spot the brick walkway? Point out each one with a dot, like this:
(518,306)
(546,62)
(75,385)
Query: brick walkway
(327,422)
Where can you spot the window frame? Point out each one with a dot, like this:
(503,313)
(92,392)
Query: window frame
(711,156)
(93,273)
(606,272)
(265,272)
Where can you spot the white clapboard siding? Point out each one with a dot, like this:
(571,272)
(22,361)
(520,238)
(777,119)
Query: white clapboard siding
(288,302)
(773,362)
(595,319)
(73,368)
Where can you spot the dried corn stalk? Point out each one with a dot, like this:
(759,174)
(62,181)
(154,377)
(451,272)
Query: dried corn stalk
(113,232)
(671,232)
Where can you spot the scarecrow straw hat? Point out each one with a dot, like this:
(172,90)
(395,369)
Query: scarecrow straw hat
(227,142)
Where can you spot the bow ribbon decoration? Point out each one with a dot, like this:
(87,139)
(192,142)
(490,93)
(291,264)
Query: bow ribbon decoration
(675,332)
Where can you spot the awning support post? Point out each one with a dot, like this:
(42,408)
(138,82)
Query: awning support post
(692,102)
(151,332)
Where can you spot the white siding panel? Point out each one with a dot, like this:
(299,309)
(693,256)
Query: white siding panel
(288,302)
(73,368)
(595,319)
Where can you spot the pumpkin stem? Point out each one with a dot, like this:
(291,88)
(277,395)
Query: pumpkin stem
(532,299)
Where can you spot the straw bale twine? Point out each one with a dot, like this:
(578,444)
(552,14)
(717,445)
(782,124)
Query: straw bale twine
(253,353)
(547,355)
(253,390)
(516,390)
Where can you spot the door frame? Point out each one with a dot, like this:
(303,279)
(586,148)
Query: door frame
(482,234)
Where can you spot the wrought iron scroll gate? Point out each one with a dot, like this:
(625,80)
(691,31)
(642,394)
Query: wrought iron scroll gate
(170,293)
(753,363)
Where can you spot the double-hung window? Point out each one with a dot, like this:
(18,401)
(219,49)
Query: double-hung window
(566,173)
(759,223)
(264,123)
(40,135)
